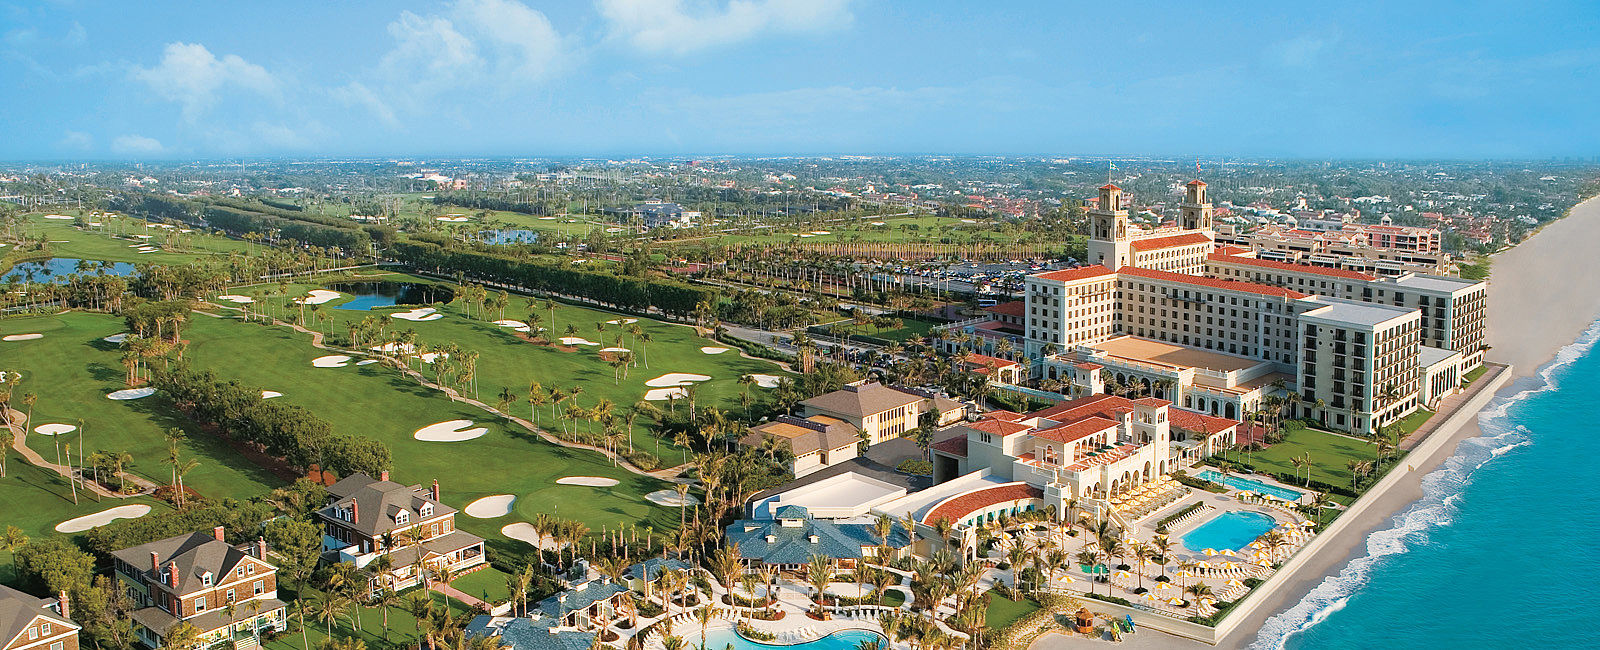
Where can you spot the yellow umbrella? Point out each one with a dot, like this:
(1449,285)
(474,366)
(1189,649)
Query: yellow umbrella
(1234,583)
(1229,565)
(1210,552)
(1148,596)
(1069,578)
(1185,573)
(1202,564)
(1263,562)
(1174,601)
(1163,585)
(1122,574)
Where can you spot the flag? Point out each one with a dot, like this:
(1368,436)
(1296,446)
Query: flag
(1113,166)
(1196,166)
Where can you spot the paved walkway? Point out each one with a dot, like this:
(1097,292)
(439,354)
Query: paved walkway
(457,594)
(20,443)
(1448,406)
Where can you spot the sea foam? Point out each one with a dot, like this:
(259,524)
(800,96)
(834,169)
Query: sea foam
(1441,489)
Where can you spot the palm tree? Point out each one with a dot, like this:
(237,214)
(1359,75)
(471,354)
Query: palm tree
(182,636)
(703,616)
(819,571)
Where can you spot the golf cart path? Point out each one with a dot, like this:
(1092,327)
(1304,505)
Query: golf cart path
(16,422)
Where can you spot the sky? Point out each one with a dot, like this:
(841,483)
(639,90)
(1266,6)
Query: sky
(177,80)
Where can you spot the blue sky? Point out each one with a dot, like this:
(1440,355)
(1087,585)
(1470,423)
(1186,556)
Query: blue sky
(683,77)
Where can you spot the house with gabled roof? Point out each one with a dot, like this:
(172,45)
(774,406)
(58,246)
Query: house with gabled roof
(368,518)
(31,623)
(227,592)
(792,537)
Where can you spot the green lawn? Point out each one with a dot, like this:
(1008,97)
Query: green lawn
(1329,452)
(895,230)
(71,370)
(402,627)
(114,241)
(1408,424)
(909,329)
(487,584)
(508,362)
(1003,611)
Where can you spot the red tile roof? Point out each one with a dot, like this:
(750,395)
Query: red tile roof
(1230,250)
(1088,366)
(1101,405)
(1109,186)
(1002,414)
(1183,239)
(1197,421)
(956,446)
(1197,182)
(1070,433)
(1293,268)
(989,363)
(959,506)
(1080,273)
(1000,428)
(1213,283)
(1152,401)
(1013,308)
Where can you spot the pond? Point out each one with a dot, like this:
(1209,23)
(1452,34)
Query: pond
(516,236)
(385,294)
(56,269)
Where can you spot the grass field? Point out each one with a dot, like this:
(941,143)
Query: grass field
(1003,611)
(487,584)
(509,362)
(402,627)
(113,241)
(895,230)
(1329,452)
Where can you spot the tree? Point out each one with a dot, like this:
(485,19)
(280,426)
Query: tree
(182,636)
(819,571)
(12,540)
(298,543)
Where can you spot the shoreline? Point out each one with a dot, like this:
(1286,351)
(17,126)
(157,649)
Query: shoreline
(1519,286)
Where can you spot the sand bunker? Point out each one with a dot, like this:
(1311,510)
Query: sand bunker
(116,338)
(454,219)
(766,381)
(671,499)
(675,379)
(430,357)
(591,481)
(102,518)
(821,232)
(524,532)
(713,350)
(54,429)
(574,340)
(132,393)
(269,394)
(331,361)
(879,223)
(547,218)
(449,431)
(243,300)
(664,394)
(498,505)
(58,217)
(366,362)
(392,346)
(513,324)
(147,249)
(419,315)
(622,321)
(619,350)
(318,296)
(22,337)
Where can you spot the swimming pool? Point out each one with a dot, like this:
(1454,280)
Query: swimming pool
(721,638)
(1241,483)
(1229,531)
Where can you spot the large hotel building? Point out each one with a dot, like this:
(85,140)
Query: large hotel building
(1170,313)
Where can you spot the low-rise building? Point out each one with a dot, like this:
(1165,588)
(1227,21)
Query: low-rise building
(369,518)
(222,590)
(882,412)
(32,623)
(792,537)
(813,443)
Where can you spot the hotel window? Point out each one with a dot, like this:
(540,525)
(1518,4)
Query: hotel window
(58,645)
(200,604)
(44,628)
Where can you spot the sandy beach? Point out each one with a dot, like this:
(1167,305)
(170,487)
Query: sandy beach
(1542,295)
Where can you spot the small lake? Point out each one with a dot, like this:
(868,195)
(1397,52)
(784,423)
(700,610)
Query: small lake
(513,236)
(56,269)
(369,295)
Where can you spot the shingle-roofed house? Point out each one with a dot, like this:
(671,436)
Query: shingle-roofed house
(192,578)
(32,623)
(368,518)
(789,541)
(538,633)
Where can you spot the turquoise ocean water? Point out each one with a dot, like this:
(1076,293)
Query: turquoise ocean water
(1503,550)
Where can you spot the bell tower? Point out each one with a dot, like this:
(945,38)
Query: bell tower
(1109,244)
(1196,208)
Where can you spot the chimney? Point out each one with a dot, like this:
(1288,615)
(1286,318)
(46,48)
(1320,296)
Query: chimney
(172,574)
(61,605)
(435,489)
(155,562)
(355,512)
(384,475)
(217,533)
(261,548)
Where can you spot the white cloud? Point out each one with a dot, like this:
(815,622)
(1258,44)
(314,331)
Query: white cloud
(192,76)
(497,46)
(136,145)
(76,140)
(673,27)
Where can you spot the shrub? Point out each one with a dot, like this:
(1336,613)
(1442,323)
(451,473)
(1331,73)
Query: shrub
(916,467)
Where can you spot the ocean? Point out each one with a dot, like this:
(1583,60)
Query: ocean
(1502,550)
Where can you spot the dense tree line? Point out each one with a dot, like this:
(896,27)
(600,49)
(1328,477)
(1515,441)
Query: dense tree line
(241,519)
(284,430)
(482,202)
(240,222)
(557,276)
